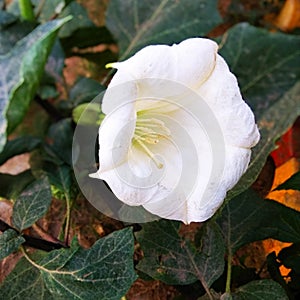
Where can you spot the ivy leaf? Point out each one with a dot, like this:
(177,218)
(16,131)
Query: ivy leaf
(18,146)
(10,242)
(12,185)
(105,271)
(293,183)
(32,204)
(25,282)
(174,260)
(136,24)
(22,69)
(260,290)
(248,218)
(268,75)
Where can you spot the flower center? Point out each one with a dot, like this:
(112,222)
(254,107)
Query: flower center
(149,132)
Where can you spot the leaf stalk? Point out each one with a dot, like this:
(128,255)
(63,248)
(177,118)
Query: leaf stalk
(26,10)
(228,279)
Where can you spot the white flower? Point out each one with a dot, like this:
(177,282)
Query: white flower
(177,133)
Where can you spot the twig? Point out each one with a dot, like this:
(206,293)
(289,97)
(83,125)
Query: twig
(45,235)
(68,215)
(33,242)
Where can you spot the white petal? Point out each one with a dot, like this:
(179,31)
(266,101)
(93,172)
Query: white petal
(194,150)
(117,94)
(222,94)
(138,180)
(115,135)
(155,61)
(202,208)
(172,207)
(237,161)
(196,59)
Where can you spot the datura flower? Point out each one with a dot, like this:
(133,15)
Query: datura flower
(177,134)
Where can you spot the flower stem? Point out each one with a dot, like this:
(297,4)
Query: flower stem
(68,215)
(26,10)
(228,279)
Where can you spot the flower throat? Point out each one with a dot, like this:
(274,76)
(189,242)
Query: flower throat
(149,132)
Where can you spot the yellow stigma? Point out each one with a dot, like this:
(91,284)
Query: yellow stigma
(150,131)
(109,66)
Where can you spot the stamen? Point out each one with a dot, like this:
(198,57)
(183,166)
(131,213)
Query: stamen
(150,131)
(149,152)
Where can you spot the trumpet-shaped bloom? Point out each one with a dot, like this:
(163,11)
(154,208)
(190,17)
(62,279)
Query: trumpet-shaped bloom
(177,134)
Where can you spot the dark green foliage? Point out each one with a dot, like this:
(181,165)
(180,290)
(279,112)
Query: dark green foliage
(32,60)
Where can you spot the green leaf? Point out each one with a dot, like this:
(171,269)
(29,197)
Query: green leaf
(86,37)
(6,18)
(10,242)
(46,92)
(13,7)
(80,19)
(268,75)
(260,290)
(32,204)
(18,146)
(105,271)
(10,35)
(88,114)
(293,183)
(136,24)
(85,90)
(280,222)
(22,69)
(60,137)
(172,259)
(248,218)
(25,282)
(12,185)
(240,219)
(60,177)
(55,65)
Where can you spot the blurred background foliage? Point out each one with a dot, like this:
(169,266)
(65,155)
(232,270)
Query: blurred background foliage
(54,244)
